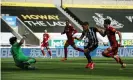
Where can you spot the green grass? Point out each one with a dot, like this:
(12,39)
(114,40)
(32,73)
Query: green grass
(73,69)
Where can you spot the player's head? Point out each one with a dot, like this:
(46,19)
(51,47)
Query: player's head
(12,40)
(107,22)
(45,31)
(67,22)
(85,25)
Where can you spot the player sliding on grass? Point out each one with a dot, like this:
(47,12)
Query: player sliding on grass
(46,38)
(90,42)
(113,49)
(69,31)
(20,59)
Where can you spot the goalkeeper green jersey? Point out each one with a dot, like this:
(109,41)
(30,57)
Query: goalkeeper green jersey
(17,53)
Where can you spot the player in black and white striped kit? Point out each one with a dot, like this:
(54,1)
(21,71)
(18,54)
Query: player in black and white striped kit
(90,42)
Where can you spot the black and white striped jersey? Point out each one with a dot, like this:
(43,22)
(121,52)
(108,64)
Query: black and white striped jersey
(90,37)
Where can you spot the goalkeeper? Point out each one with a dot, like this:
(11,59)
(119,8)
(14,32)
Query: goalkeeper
(20,59)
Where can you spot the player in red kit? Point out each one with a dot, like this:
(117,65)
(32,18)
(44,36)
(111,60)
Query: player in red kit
(69,31)
(113,49)
(45,44)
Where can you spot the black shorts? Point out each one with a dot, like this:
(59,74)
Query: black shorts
(91,48)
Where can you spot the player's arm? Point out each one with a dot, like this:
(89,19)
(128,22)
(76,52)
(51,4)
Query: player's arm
(48,38)
(81,37)
(63,31)
(101,31)
(100,27)
(43,38)
(120,36)
(22,40)
(74,30)
(117,32)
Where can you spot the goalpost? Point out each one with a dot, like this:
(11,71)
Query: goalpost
(22,29)
(32,39)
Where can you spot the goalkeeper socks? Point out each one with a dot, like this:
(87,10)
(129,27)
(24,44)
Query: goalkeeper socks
(65,50)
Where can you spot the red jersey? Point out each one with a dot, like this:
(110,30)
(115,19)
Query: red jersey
(45,38)
(111,36)
(69,30)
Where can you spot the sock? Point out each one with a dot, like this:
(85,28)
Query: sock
(50,53)
(79,49)
(88,57)
(120,61)
(65,51)
(32,60)
(43,52)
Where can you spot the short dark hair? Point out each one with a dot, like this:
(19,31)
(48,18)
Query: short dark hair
(12,40)
(85,23)
(67,21)
(107,21)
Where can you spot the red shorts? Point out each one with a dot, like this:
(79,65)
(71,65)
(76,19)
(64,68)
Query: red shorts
(44,44)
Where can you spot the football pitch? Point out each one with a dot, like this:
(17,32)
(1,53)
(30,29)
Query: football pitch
(72,69)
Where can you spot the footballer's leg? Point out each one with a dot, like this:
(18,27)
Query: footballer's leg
(25,63)
(27,60)
(87,54)
(76,48)
(117,58)
(115,55)
(50,53)
(112,52)
(42,50)
(28,63)
(21,65)
(90,63)
(65,51)
(107,52)
(31,60)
